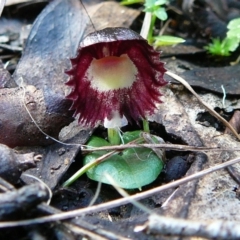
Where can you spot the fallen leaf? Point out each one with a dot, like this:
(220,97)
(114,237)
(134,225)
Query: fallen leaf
(208,78)
(12,163)
(235,122)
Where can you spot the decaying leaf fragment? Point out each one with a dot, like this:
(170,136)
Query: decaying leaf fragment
(13,164)
(235,122)
(16,126)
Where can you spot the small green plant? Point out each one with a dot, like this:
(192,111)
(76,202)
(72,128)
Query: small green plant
(229,44)
(156,7)
(158,11)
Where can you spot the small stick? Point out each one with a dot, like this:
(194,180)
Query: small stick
(159,152)
(6,186)
(176,147)
(86,167)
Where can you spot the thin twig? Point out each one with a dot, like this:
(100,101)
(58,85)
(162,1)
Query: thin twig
(159,152)
(176,147)
(224,96)
(86,167)
(217,229)
(80,225)
(9,47)
(211,111)
(118,202)
(165,27)
(93,231)
(6,186)
(85,232)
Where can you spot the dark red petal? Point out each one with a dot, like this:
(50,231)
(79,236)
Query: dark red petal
(135,102)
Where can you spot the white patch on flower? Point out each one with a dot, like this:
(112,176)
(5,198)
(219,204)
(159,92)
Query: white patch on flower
(116,121)
(112,73)
(106,52)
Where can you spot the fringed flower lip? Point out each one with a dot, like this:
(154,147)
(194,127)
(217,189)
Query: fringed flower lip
(115,78)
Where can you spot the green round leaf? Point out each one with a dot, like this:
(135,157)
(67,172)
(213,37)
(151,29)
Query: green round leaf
(134,169)
(130,169)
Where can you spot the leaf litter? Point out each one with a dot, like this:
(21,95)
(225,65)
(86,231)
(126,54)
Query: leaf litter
(180,124)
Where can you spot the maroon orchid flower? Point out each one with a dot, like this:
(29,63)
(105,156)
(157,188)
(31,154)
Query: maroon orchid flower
(116,75)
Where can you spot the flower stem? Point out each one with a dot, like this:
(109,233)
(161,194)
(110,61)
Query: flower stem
(146,126)
(113,136)
(150,33)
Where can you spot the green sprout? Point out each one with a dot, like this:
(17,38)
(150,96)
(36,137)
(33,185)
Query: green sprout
(229,44)
(158,11)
